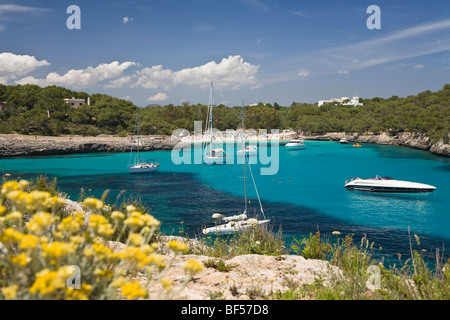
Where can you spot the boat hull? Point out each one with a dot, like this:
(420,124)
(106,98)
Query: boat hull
(388,186)
(231,228)
(138,169)
(295,147)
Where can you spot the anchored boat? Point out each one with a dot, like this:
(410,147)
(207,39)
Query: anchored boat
(387,185)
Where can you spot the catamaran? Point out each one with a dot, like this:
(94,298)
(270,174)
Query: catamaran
(240,222)
(212,155)
(140,166)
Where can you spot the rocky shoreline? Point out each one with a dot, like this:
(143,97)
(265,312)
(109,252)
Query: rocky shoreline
(15,145)
(407,139)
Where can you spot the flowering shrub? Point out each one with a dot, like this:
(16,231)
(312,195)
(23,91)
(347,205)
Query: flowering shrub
(45,256)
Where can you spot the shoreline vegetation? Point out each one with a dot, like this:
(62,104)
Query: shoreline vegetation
(16,145)
(121,254)
(419,121)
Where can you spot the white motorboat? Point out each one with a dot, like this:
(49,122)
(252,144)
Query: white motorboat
(295,144)
(212,155)
(249,151)
(343,141)
(140,166)
(387,185)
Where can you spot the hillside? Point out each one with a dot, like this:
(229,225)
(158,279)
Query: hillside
(30,109)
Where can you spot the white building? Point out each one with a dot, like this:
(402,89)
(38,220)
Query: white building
(77,102)
(353,102)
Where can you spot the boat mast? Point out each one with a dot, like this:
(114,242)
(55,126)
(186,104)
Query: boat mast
(132,139)
(139,136)
(243,157)
(211,113)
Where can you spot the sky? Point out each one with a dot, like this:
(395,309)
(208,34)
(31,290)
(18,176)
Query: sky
(284,51)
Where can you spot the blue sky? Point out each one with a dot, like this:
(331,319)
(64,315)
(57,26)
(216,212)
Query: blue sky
(168,51)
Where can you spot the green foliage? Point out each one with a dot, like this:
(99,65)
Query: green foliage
(30,109)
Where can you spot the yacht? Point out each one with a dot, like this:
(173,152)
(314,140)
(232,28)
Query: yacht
(343,141)
(249,151)
(295,144)
(387,185)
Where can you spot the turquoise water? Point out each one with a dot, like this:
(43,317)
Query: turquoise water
(306,194)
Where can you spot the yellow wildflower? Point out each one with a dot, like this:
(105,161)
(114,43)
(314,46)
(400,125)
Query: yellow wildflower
(79,294)
(134,255)
(28,241)
(11,235)
(21,259)
(20,199)
(54,203)
(192,266)
(49,281)
(38,200)
(69,225)
(167,283)
(130,208)
(134,220)
(150,221)
(119,282)
(10,186)
(100,224)
(23,184)
(2,209)
(93,203)
(10,292)
(135,239)
(14,216)
(56,250)
(133,290)
(177,246)
(39,221)
(117,215)
(157,260)
(103,273)
(102,252)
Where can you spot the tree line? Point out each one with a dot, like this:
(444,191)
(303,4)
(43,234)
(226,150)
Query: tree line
(30,109)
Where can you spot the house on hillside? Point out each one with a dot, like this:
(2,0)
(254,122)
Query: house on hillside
(76,103)
(353,102)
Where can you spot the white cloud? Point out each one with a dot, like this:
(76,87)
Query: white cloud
(418,66)
(230,72)
(158,97)
(154,77)
(82,78)
(13,65)
(8,8)
(127,19)
(303,73)
(345,72)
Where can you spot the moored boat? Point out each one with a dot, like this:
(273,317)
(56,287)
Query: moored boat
(387,185)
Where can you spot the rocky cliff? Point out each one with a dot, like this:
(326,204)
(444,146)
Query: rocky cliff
(19,145)
(407,139)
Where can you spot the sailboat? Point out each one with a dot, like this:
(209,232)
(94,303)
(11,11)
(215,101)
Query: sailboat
(240,222)
(212,155)
(250,150)
(144,166)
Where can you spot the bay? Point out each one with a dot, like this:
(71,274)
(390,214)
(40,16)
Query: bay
(305,195)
